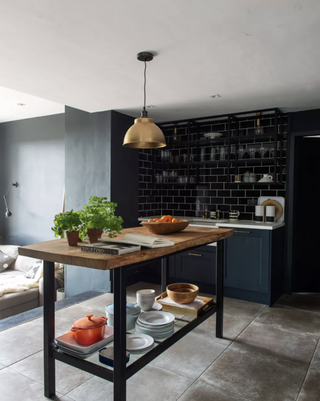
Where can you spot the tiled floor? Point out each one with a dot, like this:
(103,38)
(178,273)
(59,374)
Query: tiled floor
(267,354)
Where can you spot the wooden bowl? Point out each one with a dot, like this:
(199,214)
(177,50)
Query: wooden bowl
(165,228)
(182,293)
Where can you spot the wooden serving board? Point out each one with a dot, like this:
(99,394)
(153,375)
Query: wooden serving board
(194,309)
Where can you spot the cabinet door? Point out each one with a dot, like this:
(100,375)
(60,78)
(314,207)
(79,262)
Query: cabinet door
(197,265)
(247,260)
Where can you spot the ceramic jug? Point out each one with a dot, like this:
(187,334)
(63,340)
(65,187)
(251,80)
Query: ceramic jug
(266,178)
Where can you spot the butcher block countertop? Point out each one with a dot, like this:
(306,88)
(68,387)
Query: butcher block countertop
(59,251)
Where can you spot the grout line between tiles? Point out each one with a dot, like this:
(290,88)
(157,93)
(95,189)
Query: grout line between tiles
(309,367)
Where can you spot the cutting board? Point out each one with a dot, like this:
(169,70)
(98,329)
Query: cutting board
(279,199)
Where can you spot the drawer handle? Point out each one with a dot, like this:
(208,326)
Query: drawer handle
(245,232)
(195,254)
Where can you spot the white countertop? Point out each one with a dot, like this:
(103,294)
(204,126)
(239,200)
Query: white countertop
(225,223)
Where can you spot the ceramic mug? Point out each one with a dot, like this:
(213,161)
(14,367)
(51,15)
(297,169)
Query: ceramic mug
(234,214)
(145,299)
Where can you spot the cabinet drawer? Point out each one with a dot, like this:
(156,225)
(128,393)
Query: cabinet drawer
(196,266)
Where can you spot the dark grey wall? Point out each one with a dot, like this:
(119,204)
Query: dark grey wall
(308,120)
(97,164)
(32,153)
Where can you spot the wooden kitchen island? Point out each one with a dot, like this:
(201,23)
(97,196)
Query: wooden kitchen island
(59,251)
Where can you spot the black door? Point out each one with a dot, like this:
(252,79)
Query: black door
(306,216)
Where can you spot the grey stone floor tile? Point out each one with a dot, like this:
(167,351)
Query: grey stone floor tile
(243,309)
(191,355)
(291,319)
(150,383)
(232,326)
(20,342)
(311,387)
(291,345)
(98,302)
(255,375)
(315,364)
(2,366)
(204,392)
(15,386)
(67,377)
(309,302)
(65,398)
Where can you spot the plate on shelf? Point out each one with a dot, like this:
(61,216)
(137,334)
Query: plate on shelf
(156,306)
(67,341)
(137,342)
(212,135)
(156,318)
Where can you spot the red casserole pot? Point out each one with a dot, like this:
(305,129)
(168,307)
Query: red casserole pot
(89,330)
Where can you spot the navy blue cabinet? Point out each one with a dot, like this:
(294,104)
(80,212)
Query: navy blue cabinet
(254,265)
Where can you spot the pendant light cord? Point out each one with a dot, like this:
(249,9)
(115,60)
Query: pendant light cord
(144,111)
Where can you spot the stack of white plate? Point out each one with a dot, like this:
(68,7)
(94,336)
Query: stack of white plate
(157,324)
(68,344)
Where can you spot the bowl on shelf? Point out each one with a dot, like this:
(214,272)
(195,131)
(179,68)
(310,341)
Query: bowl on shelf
(165,228)
(182,293)
(212,135)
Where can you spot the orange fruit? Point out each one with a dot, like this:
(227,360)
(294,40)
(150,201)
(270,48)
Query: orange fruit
(163,217)
(150,221)
(163,220)
(156,220)
(174,220)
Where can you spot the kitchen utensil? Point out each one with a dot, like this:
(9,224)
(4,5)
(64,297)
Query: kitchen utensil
(237,178)
(182,293)
(212,135)
(270,214)
(222,153)
(276,204)
(132,310)
(203,155)
(106,356)
(165,228)
(279,199)
(234,214)
(145,299)
(213,154)
(266,178)
(259,213)
(89,330)
(252,177)
(67,341)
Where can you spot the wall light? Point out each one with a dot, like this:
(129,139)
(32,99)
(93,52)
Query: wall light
(7,212)
(144,134)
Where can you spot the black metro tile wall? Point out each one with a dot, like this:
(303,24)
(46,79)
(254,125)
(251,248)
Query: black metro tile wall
(211,187)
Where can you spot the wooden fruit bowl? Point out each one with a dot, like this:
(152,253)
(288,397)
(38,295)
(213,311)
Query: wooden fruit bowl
(165,228)
(182,293)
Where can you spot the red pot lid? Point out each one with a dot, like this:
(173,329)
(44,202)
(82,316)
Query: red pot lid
(89,322)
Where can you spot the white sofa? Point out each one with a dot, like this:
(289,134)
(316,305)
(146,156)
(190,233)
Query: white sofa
(15,274)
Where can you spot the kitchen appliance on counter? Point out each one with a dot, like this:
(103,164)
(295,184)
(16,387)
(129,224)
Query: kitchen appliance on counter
(259,214)
(270,214)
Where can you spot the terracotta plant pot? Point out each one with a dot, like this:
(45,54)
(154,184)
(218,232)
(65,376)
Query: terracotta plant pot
(73,238)
(94,234)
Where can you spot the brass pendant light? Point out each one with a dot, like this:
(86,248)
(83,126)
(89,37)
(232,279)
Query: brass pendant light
(144,134)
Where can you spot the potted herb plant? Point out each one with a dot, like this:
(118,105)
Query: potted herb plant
(69,222)
(98,216)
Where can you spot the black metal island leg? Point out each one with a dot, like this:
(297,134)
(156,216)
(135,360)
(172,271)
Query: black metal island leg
(48,329)
(119,300)
(219,288)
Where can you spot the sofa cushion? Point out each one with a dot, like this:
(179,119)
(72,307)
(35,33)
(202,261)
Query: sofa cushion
(15,299)
(34,270)
(10,250)
(5,261)
(24,263)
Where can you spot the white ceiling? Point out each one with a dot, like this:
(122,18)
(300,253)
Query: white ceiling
(255,54)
